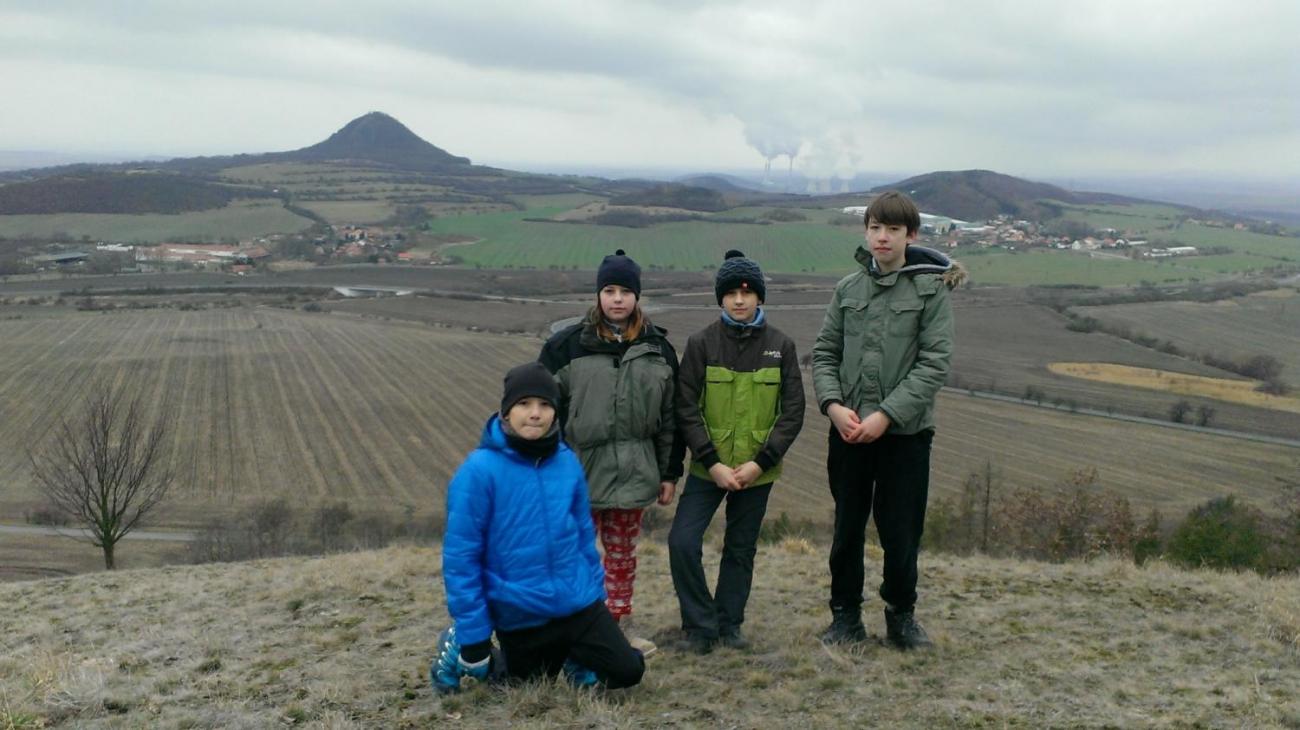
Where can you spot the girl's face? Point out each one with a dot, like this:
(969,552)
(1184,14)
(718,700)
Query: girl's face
(531,417)
(617,303)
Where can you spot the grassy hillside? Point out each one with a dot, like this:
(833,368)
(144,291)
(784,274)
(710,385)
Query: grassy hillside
(345,642)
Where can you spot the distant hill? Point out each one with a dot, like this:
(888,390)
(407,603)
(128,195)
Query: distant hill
(377,137)
(114,192)
(983,194)
(720,183)
(675,196)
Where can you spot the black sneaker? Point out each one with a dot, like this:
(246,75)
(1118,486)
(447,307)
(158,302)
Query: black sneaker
(733,639)
(903,632)
(846,626)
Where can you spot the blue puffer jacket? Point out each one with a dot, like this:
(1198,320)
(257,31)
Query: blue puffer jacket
(520,548)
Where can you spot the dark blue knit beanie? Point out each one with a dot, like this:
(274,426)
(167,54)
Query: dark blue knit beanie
(738,272)
(620,270)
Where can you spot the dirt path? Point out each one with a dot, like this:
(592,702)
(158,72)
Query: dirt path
(75,532)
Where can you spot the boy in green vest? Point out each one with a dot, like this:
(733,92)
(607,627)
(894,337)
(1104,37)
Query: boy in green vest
(878,363)
(740,404)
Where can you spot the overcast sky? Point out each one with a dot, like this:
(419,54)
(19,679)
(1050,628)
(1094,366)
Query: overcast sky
(1037,88)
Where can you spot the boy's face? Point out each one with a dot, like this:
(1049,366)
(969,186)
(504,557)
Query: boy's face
(740,304)
(531,417)
(887,243)
(617,303)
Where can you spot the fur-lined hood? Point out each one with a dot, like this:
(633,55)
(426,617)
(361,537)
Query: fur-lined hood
(920,260)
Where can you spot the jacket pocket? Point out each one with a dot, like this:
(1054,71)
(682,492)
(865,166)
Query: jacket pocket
(853,318)
(724,442)
(903,318)
(717,402)
(853,323)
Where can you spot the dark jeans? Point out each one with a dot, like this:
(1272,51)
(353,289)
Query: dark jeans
(891,476)
(589,637)
(702,613)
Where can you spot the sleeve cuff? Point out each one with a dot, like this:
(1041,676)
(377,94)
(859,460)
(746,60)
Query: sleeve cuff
(764,460)
(826,404)
(708,458)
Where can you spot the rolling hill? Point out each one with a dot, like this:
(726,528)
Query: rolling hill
(983,194)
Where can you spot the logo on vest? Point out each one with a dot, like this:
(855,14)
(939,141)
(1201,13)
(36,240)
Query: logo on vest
(772,353)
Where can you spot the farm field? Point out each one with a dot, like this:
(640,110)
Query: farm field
(265,401)
(436,278)
(339,212)
(1006,347)
(1258,324)
(531,317)
(240,219)
(818,246)
(319,407)
(1224,389)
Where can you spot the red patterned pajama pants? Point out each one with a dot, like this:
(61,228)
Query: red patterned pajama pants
(618,530)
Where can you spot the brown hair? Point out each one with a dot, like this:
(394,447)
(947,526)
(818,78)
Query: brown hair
(894,209)
(631,331)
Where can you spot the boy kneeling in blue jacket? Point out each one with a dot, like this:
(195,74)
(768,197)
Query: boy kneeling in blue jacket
(519,555)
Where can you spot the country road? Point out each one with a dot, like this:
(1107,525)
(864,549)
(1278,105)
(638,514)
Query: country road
(76,533)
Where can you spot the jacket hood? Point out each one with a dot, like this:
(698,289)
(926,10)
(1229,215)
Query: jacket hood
(919,260)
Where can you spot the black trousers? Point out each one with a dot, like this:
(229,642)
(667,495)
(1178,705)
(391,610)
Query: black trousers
(891,476)
(703,613)
(589,637)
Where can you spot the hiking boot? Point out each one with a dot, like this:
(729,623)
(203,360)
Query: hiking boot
(903,632)
(733,639)
(846,626)
(700,644)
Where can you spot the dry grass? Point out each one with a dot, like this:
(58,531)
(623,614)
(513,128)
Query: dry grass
(345,641)
(1235,391)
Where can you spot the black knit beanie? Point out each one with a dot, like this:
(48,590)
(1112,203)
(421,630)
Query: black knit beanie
(738,272)
(620,270)
(531,380)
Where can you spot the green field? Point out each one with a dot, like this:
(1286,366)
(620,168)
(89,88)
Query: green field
(339,212)
(239,220)
(506,239)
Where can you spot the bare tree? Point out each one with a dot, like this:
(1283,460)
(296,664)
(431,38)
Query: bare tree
(104,466)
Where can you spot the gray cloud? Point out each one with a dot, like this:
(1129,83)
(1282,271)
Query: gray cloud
(1024,87)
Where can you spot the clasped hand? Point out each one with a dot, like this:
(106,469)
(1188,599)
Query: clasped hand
(734,480)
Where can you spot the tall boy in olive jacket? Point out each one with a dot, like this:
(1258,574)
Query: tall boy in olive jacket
(740,405)
(880,358)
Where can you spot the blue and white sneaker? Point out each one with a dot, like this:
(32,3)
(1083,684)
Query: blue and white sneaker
(578,675)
